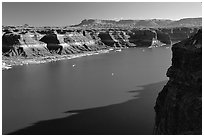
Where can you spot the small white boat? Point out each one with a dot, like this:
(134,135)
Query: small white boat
(73,65)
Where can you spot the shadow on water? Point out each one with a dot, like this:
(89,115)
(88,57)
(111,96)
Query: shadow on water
(133,117)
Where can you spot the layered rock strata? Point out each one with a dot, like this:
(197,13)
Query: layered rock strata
(43,42)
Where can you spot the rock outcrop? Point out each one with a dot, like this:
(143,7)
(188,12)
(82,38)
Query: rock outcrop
(43,43)
(134,38)
(115,39)
(179,105)
(28,41)
(23,44)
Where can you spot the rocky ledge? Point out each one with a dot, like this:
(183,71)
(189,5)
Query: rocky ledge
(179,105)
(26,44)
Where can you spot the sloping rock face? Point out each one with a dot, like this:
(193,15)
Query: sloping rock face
(108,39)
(52,41)
(77,42)
(23,44)
(134,38)
(10,44)
(179,105)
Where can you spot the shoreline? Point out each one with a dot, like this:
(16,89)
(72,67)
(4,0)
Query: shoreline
(9,62)
(12,61)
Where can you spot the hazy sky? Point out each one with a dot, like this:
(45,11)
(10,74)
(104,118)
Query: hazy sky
(40,14)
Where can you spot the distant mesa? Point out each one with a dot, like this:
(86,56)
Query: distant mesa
(155,23)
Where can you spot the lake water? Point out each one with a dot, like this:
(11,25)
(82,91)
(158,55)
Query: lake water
(32,93)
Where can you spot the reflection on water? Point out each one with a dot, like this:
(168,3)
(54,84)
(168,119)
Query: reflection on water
(39,92)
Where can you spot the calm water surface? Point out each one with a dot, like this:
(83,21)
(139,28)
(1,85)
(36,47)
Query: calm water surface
(32,93)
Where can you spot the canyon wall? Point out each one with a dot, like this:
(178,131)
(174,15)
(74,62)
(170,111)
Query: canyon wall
(179,105)
(44,42)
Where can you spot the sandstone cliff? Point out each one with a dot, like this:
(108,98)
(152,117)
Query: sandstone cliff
(179,105)
(43,43)
(30,42)
(23,44)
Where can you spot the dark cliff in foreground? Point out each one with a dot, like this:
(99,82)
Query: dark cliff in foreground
(179,105)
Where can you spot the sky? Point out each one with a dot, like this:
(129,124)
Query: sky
(70,13)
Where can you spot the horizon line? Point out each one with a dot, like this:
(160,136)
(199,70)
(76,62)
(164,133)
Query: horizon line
(107,19)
